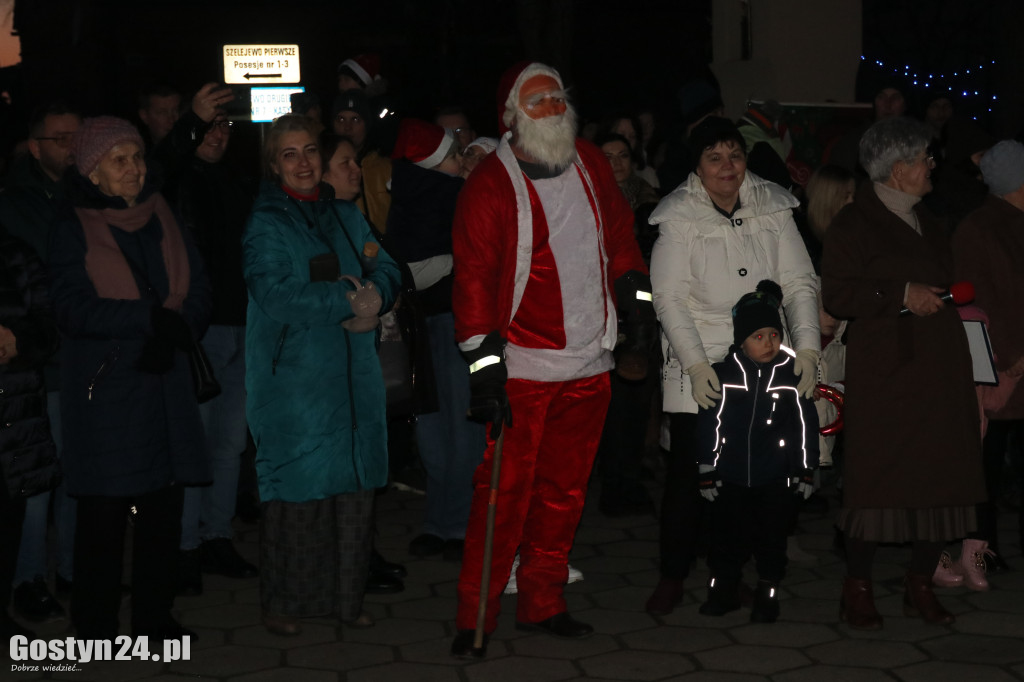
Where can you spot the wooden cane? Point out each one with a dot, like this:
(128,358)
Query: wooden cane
(485,577)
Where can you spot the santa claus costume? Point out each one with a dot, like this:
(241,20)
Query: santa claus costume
(537,249)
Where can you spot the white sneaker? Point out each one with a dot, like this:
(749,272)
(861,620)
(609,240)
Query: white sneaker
(575,576)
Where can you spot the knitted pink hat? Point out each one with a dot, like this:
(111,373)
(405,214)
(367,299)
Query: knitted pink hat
(97,136)
(425,144)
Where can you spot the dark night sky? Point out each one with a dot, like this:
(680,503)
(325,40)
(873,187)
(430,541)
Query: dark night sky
(434,51)
(613,53)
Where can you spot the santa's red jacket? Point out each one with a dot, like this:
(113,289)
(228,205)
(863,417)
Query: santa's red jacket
(500,233)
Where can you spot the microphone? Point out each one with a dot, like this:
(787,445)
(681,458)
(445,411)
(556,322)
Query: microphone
(960,293)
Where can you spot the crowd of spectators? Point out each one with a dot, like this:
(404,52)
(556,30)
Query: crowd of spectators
(151,242)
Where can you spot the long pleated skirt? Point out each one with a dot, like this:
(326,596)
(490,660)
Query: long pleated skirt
(314,556)
(937,524)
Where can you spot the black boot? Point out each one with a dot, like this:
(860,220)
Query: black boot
(462,646)
(384,576)
(219,556)
(766,602)
(723,597)
(190,574)
(33,601)
(10,628)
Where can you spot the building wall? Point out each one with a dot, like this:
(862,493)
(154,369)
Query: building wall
(799,50)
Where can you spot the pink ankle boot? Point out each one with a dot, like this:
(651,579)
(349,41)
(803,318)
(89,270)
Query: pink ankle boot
(947,573)
(972,564)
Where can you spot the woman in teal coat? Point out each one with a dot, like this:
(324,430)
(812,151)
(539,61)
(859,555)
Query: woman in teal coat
(316,403)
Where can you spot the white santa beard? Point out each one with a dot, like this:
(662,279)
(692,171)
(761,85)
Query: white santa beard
(550,141)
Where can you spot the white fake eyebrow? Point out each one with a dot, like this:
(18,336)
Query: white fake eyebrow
(555,94)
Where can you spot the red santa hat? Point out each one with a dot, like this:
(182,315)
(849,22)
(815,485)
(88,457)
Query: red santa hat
(425,144)
(365,67)
(509,85)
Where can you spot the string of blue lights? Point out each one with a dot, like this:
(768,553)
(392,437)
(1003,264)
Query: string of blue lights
(963,82)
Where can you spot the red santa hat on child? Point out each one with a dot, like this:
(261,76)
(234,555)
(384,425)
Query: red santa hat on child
(425,144)
(509,85)
(365,67)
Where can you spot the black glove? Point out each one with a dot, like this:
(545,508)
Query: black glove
(488,401)
(171,327)
(708,482)
(803,483)
(157,356)
(638,324)
(170,333)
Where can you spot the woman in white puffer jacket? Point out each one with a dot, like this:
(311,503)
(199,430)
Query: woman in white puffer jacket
(720,233)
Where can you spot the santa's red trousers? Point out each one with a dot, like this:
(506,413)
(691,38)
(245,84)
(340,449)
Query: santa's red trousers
(546,461)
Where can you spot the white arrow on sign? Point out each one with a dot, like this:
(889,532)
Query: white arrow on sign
(254,64)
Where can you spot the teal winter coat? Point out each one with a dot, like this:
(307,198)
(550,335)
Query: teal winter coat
(315,403)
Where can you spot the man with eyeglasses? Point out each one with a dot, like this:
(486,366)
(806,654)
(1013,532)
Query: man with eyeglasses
(27,209)
(50,141)
(213,201)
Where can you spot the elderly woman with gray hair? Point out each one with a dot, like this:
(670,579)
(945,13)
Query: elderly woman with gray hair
(913,449)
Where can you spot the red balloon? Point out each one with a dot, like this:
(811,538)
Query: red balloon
(834,396)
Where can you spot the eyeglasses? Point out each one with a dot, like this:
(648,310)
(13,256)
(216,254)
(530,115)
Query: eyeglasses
(62,140)
(540,98)
(223,125)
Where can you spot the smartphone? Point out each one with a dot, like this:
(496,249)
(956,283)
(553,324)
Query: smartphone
(240,106)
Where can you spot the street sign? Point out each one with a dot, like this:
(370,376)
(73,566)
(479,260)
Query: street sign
(269,103)
(261,64)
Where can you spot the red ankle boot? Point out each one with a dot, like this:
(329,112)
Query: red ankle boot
(666,597)
(919,601)
(857,605)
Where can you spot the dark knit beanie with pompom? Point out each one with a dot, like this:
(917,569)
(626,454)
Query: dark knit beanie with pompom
(756,310)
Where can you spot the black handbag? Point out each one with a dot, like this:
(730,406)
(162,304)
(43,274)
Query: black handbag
(396,368)
(206,384)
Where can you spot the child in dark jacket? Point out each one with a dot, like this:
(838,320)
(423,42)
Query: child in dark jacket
(757,449)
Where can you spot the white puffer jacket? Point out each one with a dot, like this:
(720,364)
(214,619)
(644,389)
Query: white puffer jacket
(704,262)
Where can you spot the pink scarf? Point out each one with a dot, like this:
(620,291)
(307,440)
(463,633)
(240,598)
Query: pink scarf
(105,263)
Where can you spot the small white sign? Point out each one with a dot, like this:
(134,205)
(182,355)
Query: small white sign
(269,103)
(261,64)
(981,353)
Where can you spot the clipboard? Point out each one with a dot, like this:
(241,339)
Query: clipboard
(982,360)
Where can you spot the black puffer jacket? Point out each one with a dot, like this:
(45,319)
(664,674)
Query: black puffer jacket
(761,430)
(28,206)
(28,457)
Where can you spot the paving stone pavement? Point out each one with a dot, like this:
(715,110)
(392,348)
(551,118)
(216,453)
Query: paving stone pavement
(618,557)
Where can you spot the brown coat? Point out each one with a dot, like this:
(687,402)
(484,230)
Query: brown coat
(913,438)
(988,250)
